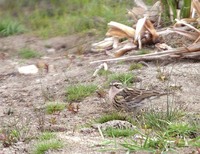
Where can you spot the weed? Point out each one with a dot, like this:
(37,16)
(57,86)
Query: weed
(125,78)
(40,114)
(114,116)
(194,119)
(103,72)
(53,107)
(135,66)
(79,91)
(46,136)
(8,137)
(162,132)
(47,141)
(10,27)
(47,94)
(162,75)
(195,142)
(27,53)
(17,128)
(133,145)
(53,18)
(153,145)
(53,120)
(150,2)
(180,130)
(160,120)
(43,146)
(113,132)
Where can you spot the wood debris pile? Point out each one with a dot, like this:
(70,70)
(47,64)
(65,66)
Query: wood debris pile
(122,38)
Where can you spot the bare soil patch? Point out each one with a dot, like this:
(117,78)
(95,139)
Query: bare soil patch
(22,95)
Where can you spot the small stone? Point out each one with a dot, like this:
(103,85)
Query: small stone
(29,69)
(51,50)
(117,124)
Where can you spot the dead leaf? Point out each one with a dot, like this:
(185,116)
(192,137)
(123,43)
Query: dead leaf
(73,108)
(41,65)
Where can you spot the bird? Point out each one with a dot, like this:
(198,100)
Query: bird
(129,99)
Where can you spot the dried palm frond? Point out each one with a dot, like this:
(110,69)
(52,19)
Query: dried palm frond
(140,28)
(107,43)
(196,6)
(120,30)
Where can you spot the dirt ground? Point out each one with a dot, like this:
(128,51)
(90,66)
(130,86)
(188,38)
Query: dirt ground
(68,59)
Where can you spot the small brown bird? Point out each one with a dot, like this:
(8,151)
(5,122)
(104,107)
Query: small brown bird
(129,99)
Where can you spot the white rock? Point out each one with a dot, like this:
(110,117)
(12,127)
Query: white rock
(51,50)
(29,69)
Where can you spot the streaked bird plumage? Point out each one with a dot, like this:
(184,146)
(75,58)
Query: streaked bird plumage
(129,99)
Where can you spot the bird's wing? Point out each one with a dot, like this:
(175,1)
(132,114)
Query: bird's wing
(129,98)
(137,95)
(126,99)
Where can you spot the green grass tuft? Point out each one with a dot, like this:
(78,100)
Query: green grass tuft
(103,72)
(157,144)
(195,142)
(135,66)
(27,53)
(125,78)
(114,116)
(180,130)
(46,136)
(113,132)
(150,2)
(43,146)
(53,107)
(143,51)
(79,92)
(161,120)
(10,27)
(164,132)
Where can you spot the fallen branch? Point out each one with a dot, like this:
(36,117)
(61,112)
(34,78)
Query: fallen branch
(152,56)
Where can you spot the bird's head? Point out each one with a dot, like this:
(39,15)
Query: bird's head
(116,84)
(115,87)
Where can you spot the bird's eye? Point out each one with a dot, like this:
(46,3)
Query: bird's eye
(117,86)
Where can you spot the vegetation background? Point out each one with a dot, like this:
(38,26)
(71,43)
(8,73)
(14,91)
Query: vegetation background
(48,18)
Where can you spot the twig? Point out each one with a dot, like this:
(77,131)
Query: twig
(152,56)
(100,132)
